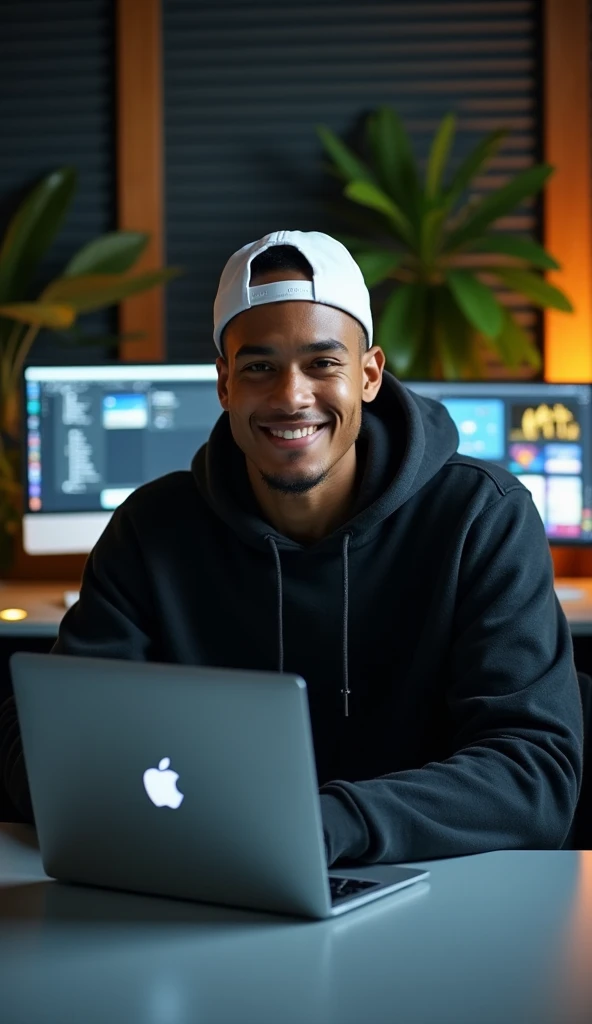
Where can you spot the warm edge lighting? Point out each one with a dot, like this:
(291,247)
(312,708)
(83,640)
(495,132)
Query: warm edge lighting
(13,614)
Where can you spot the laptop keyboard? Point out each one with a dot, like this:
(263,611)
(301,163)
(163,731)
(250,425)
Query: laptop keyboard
(342,888)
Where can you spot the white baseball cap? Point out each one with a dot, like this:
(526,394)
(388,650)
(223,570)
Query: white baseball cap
(337,280)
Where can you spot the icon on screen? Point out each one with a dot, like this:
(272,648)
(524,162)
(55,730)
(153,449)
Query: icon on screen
(544,422)
(538,488)
(563,458)
(480,424)
(526,458)
(564,506)
(125,412)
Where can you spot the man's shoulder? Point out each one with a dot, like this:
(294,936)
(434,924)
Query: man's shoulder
(181,481)
(166,496)
(487,475)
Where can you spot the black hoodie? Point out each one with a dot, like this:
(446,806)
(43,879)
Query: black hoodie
(433,606)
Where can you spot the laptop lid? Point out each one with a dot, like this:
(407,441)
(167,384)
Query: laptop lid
(166,778)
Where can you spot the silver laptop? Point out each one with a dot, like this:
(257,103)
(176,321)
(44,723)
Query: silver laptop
(178,781)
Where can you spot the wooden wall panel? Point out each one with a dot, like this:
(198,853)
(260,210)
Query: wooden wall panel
(568,197)
(568,207)
(140,163)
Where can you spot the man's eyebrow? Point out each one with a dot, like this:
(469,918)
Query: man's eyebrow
(328,345)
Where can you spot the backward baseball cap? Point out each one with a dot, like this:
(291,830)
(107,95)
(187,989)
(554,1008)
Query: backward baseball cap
(337,280)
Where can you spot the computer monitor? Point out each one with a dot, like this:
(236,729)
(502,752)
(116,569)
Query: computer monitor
(540,432)
(95,433)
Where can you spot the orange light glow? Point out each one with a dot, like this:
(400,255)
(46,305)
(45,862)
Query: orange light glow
(13,614)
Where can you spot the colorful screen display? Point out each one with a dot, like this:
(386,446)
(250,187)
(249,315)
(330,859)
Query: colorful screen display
(540,432)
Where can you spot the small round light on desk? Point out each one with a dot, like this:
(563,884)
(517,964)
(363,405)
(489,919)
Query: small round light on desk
(13,614)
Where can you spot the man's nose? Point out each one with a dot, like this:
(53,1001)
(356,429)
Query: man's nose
(292,390)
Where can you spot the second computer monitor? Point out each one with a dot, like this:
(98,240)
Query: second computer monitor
(542,433)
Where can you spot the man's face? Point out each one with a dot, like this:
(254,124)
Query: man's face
(295,367)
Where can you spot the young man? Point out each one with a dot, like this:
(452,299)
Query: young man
(329,528)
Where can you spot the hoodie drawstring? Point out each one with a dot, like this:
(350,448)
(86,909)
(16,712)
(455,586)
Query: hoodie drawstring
(280,602)
(346,690)
(345,628)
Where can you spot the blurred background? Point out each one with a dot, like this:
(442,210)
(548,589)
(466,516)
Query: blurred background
(446,143)
(197,122)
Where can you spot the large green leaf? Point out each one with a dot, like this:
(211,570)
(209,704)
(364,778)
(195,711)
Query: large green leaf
(515,346)
(393,157)
(400,328)
(535,288)
(432,224)
(41,314)
(513,245)
(365,194)
(499,203)
(454,335)
(477,302)
(472,164)
(32,230)
(95,291)
(377,264)
(438,157)
(113,253)
(348,164)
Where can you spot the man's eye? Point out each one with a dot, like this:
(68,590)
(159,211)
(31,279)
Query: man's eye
(256,367)
(323,364)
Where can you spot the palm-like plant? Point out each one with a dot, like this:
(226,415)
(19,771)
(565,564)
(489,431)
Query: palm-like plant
(96,277)
(436,244)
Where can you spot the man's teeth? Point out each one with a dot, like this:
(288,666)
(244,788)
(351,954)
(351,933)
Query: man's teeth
(290,434)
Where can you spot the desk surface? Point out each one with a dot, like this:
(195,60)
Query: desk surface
(500,937)
(44,604)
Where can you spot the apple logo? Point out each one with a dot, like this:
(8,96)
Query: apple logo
(161,785)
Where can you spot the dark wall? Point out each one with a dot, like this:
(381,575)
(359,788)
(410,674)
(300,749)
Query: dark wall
(57,102)
(246,81)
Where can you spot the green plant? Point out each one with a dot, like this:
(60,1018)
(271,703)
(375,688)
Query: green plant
(437,248)
(96,277)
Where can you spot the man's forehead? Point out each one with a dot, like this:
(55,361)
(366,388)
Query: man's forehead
(300,348)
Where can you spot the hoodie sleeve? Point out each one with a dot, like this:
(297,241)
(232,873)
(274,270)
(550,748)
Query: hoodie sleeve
(112,619)
(514,774)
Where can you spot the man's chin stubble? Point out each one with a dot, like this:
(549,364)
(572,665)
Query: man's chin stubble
(294,485)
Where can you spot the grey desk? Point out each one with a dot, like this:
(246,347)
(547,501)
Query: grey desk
(501,938)
(44,604)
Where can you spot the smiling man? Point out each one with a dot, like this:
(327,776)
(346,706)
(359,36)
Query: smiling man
(328,528)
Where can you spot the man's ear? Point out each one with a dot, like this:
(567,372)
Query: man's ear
(222,368)
(373,363)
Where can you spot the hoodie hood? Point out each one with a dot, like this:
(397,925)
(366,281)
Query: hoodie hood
(404,441)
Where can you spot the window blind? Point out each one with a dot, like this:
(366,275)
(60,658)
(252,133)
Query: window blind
(246,81)
(57,107)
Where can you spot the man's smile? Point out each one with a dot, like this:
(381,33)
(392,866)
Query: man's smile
(295,436)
